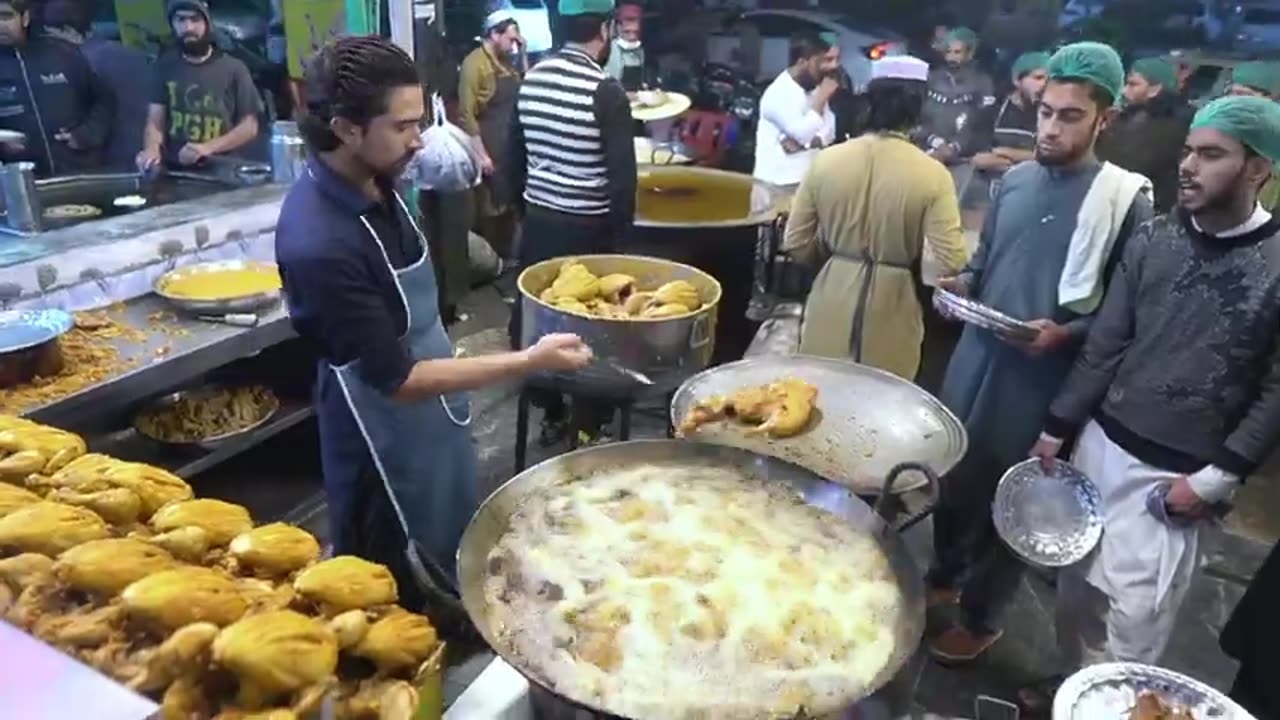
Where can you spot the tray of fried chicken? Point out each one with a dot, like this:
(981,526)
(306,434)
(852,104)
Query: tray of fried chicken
(1134,691)
(184,600)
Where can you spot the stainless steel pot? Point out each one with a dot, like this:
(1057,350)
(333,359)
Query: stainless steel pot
(667,350)
(491,521)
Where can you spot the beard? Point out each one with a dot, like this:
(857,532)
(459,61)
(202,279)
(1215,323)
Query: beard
(196,46)
(1219,201)
(1066,156)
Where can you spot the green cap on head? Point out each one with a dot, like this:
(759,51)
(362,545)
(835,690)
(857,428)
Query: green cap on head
(1157,71)
(1092,61)
(1028,63)
(830,38)
(1253,121)
(586,7)
(1259,75)
(962,35)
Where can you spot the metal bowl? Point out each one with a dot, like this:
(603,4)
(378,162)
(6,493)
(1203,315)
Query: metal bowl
(222,306)
(1110,690)
(29,344)
(1048,520)
(209,443)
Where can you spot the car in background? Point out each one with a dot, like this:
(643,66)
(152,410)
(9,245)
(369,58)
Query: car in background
(859,44)
(1257,27)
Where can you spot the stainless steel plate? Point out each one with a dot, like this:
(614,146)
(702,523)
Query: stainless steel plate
(1110,690)
(22,329)
(975,313)
(208,443)
(866,421)
(1048,520)
(221,306)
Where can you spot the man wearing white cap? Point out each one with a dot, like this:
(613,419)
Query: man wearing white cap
(487,93)
(868,209)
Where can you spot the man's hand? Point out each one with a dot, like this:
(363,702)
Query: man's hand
(944,153)
(1050,337)
(559,351)
(791,147)
(486,165)
(64,136)
(192,153)
(1046,451)
(991,161)
(148,158)
(956,285)
(828,87)
(1183,501)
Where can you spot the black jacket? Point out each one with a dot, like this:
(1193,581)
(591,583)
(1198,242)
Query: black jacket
(68,96)
(1148,140)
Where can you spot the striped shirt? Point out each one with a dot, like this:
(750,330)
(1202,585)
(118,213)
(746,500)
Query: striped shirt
(570,116)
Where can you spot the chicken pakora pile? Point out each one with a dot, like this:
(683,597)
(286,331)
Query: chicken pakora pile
(185,600)
(780,409)
(576,290)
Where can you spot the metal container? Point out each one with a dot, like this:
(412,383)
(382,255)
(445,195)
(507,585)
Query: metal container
(29,344)
(208,443)
(667,350)
(492,518)
(288,152)
(222,306)
(23,211)
(867,421)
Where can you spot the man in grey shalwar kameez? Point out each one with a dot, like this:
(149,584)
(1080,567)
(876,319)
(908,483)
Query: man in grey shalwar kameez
(1000,387)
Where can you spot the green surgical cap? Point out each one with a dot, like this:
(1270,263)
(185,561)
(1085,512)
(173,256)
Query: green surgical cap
(1253,121)
(830,38)
(1157,71)
(963,35)
(1262,76)
(1028,63)
(1091,61)
(586,7)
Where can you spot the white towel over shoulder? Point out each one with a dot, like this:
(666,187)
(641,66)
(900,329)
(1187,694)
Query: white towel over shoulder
(1101,216)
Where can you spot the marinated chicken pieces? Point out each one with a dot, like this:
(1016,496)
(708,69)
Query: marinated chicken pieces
(169,599)
(106,567)
(578,291)
(780,409)
(275,549)
(275,654)
(49,528)
(222,521)
(27,447)
(346,583)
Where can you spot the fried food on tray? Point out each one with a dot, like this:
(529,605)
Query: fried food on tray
(106,567)
(378,700)
(221,520)
(397,641)
(615,295)
(1151,705)
(13,497)
(346,583)
(86,480)
(780,409)
(276,654)
(117,506)
(50,528)
(27,447)
(170,599)
(275,549)
(207,413)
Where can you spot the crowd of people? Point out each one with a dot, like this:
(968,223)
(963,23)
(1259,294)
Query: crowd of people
(86,104)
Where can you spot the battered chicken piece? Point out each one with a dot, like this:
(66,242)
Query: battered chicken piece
(86,473)
(668,310)
(184,699)
(106,567)
(276,654)
(87,628)
(169,599)
(264,595)
(379,700)
(154,486)
(184,653)
(275,549)
(780,409)
(615,287)
(636,302)
(398,641)
(575,281)
(1152,706)
(13,497)
(346,583)
(223,521)
(21,571)
(679,292)
(50,528)
(186,543)
(117,506)
(27,447)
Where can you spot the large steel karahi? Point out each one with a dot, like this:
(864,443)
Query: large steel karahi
(667,350)
(495,517)
(867,421)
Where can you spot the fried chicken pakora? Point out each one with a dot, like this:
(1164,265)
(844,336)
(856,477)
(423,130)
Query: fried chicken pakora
(780,409)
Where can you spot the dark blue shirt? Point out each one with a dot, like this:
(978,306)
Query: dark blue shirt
(342,297)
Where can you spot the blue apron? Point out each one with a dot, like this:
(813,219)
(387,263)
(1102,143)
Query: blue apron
(422,450)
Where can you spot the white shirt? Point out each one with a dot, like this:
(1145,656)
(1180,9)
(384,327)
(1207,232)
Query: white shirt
(785,113)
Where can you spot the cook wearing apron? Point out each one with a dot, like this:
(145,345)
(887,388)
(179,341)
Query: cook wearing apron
(487,93)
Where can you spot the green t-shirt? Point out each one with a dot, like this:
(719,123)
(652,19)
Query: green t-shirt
(205,100)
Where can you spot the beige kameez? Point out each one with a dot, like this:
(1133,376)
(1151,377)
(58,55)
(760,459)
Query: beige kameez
(867,210)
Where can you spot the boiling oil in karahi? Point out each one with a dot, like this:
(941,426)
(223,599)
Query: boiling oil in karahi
(683,196)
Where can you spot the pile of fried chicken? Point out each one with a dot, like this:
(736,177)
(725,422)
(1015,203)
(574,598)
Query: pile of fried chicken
(780,409)
(185,600)
(1152,706)
(577,290)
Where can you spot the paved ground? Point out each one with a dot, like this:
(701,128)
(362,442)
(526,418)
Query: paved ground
(1025,653)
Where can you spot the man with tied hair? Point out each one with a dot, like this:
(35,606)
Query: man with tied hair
(487,92)
(572,165)
(204,102)
(796,119)
(398,460)
(1260,79)
(959,96)
(1177,394)
(867,211)
(1147,134)
(1050,241)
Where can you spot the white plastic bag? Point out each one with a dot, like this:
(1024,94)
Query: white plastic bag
(447,162)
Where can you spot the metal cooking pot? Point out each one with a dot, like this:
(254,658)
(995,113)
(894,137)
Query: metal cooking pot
(668,350)
(491,521)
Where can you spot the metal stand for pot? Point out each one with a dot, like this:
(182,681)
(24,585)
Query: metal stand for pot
(624,406)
